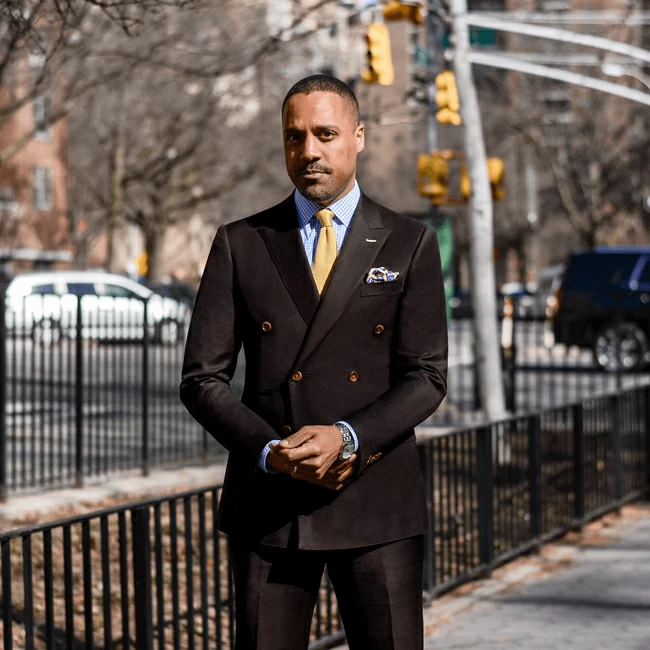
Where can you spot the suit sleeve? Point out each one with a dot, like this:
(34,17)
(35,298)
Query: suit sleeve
(211,350)
(418,361)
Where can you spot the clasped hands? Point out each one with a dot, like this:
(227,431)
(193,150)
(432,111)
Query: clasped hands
(312,454)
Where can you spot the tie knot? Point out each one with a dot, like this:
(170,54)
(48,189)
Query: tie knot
(325,217)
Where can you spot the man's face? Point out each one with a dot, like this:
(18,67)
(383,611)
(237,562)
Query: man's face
(321,143)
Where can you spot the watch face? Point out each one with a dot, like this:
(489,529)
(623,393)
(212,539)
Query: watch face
(346,453)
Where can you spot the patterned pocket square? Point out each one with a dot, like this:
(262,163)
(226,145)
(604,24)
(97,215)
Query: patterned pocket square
(381,274)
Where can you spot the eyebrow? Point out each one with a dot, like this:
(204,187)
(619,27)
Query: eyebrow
(318,127)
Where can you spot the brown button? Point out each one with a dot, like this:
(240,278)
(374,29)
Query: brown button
(266,326)
(286,429)
(374,458)
(353,376)
(379,329)
(297,376)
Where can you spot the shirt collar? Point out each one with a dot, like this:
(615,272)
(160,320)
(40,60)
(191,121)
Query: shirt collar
(342,208)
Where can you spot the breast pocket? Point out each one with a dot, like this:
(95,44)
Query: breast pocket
(381,288)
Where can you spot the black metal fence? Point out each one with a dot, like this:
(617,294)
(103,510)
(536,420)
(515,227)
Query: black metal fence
(93,391)
(538,372)
(156,574)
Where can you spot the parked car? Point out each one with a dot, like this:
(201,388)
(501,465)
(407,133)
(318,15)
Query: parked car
(604,304)
(178,290)
(44,305)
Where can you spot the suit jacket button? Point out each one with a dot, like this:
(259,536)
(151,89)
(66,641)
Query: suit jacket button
(353,376)
(266,326)
(379,329)
(297,376)
(286,429)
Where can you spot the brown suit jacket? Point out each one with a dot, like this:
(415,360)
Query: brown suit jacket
(302,353)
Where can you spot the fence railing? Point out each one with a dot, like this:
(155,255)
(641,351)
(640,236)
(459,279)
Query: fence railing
(538,372)
(89,391)
(156,574)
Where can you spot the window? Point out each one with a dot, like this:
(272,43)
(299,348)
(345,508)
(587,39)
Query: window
(42,188)
(115,291)
(43,289)
(42,115)
(81,288)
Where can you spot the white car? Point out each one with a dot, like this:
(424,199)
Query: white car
(45,306)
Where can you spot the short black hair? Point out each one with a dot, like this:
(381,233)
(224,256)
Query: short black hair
(327,84)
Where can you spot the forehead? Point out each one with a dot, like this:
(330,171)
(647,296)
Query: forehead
(316,108)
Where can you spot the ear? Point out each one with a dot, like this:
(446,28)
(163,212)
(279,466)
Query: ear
(360,135)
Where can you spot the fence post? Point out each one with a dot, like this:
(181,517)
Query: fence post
(535,474)
(485,488)
(647,433)
(3,396)
(615,440)
(142,578)
(579,463)
(79,398)
(145,391)
(425,451)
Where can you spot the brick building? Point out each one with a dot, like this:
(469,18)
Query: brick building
(33,178)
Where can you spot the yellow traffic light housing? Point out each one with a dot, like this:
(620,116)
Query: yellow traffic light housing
(380,62)
(433,176)
(496,170)
(142,264)
(447,99)
(403,11)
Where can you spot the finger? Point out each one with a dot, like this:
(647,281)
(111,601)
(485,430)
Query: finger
(307,450)
(296,439)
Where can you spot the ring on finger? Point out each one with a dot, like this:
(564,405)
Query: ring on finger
(295,470)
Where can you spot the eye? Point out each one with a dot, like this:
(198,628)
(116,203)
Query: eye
(292,137)
(328,135)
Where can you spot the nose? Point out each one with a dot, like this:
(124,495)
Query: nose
(310,150)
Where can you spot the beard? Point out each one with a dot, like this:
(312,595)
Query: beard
(316,193)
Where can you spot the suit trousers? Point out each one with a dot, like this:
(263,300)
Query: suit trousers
(378,590)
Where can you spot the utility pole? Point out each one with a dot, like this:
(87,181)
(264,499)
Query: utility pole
(488,353)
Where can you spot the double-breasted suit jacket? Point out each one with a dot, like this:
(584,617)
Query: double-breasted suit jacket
(374,355)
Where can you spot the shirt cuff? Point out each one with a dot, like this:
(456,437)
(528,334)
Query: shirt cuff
(261,460)
(353,432)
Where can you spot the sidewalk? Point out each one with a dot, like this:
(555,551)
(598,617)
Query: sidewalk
(599,599)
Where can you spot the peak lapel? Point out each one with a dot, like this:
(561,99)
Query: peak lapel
(355,258)
(282,237)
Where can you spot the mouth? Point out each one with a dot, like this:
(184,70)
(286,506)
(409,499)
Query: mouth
(313,173)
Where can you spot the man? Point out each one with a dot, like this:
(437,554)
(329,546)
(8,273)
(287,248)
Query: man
(341,314)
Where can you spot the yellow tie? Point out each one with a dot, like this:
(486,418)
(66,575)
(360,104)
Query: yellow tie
(325,255)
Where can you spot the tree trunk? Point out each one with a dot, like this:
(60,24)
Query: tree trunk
(153,242)
(488,349)
(116,214)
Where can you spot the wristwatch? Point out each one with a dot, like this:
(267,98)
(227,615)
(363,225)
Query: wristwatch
(347,446)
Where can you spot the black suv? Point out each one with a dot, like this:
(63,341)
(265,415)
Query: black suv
(604,304)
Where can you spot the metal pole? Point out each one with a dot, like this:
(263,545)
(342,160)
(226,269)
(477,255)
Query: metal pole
(145,391)
(485,489)
(142,579)
(79,401)
(435,31)
(3,397)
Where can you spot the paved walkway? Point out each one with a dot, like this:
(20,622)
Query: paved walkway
(599,601)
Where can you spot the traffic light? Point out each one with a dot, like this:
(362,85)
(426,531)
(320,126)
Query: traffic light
(404,11)
(433,176)
(447,99)
(142,264)
(380,63)
(495,174)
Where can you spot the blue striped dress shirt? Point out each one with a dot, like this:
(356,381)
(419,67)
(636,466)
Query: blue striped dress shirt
(310,228)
